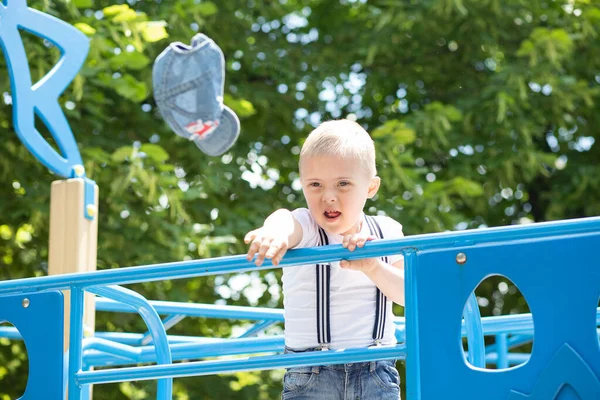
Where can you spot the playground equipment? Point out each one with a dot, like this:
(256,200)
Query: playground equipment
(554,264)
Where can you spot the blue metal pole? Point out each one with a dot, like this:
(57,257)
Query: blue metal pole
(256,328)
(413,368)
(476,354)
(106,354)
(116,350)
(502,351)
(511,342)
(75,339)
(199,310)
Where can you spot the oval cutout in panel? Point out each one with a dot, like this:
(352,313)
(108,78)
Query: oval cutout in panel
(500,300)
(14,362)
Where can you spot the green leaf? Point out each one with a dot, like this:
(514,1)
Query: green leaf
(154,31)
(465,187)
(242,107)
(82,3)
(122,153)
(397,130)
(97,154)
(127,16)
(115,10)
(131,60)
(130,88)
(207,8)
(85,28)
(155,152)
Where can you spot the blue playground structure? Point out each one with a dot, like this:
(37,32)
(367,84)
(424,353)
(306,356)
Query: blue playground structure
(554,265)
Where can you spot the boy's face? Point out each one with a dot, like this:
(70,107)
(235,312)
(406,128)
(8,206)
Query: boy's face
(336,190)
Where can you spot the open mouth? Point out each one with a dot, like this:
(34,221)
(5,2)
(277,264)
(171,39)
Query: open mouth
(332,215)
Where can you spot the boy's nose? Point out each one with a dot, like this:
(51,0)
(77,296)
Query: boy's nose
(329,197)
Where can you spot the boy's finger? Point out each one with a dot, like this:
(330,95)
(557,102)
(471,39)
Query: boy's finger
(345,241)
(256,241)
(273,249)
(352,242)
(276,247)
(262,251)
(279,256)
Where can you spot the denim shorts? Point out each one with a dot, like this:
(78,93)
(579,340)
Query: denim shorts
(374,380)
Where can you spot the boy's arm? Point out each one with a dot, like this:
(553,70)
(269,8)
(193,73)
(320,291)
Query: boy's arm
(389,278)
(280,232)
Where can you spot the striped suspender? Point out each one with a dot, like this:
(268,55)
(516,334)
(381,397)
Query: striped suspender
(380,299)
(323,272)
(323,288)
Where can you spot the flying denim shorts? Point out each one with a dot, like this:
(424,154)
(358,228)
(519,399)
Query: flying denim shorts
(374,380)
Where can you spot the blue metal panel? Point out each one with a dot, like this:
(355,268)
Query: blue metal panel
(560,279)
(40,319)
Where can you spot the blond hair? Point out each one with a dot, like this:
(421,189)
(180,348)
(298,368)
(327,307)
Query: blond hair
(341,138)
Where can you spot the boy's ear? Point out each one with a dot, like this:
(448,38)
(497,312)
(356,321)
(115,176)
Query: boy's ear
(373,187)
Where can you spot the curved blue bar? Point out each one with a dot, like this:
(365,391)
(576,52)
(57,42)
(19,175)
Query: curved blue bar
(155,326)
(474,332)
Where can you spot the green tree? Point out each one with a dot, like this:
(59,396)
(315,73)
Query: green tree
(483,112)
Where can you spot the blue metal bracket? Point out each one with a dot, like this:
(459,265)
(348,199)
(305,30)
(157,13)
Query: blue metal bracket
(41,99)
(90,209)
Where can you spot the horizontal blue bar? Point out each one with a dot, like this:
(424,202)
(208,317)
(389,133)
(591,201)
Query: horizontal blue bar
(222,265)
(119,355)
(198,310)
(513,358)
(197,368)
(134,339)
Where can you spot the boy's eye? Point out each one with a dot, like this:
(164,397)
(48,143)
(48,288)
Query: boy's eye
(344,183)
(314,184)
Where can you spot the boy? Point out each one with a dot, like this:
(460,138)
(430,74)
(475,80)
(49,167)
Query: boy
(345,304)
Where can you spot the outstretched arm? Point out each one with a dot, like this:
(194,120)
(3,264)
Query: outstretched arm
(280,232)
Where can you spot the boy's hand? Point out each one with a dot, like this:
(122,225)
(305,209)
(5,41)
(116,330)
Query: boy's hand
(353,241)
(266,243)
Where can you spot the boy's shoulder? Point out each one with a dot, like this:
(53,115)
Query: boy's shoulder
(302,214)
(389,225)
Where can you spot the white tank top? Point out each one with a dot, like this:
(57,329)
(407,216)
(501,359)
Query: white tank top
(352,295)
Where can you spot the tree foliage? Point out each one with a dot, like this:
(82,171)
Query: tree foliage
(483,113)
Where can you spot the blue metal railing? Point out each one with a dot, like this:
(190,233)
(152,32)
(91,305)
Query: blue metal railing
(126,349)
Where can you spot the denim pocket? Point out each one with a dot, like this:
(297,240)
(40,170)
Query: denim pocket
(297,379)
(386,375)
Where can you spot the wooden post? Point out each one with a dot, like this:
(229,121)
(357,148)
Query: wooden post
(73,242)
